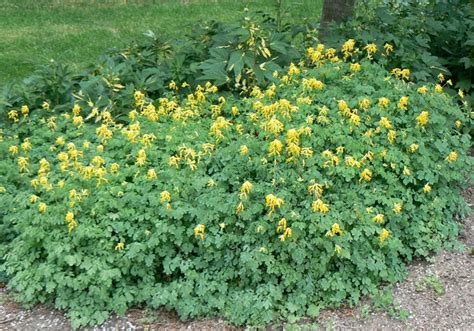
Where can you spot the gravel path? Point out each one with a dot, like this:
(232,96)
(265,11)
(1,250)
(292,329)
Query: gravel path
(438,294)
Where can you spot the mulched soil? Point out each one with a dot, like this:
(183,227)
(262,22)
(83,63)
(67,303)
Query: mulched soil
(426,309)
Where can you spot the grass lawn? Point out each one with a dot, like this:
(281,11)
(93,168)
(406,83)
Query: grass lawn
(76,32)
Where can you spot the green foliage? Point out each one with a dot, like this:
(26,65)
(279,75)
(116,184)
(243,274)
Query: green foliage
(431,281)
(264,208)
(430,37)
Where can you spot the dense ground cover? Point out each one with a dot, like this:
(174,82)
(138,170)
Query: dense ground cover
(325,183)
(232,164)
(77,32)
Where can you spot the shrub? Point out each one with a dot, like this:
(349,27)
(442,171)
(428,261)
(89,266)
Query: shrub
(430,38)
(305,195)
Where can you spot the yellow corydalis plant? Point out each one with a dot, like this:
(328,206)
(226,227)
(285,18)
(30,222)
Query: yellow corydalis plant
(452,157)
(366,175)
(379,218)
(71,221)
(243,150)
(165,196)
(199,231)
(320,207)
(273,202)
(275,148)
(403,103)
(397,208)
(245,189)
(384,234)
(422,119)
(334,231)
(371,50)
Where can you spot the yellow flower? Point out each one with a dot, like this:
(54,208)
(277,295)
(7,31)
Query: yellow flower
(120,246)
(355,67)
(355,119)
(45,105)
(287,234)
(199,231)
(403,103)
(34,198)
(60,141)
(379,218)
(244,150)
(423,118)
(344,107)
(316,188)
(391,136)
(348,47)
(61,183)
(453,156)
(104,132)
(282,225)
(293,70)
(13,115)
(364,103)
(273,202)
(422,90)
(42,207)
(165,196)
(335,231)
(240,208)
(461,93)
(458,124)
(245,189)
(371,49)
(23,164)
(222,226)
(275,148)
(366,175)
(384,235)
(427,188)
(13,150)
(72,224)
(211,183)
(172,85)
(397,208)
(414,148)
(141,158)
(384,102)
(319,206)
(114,168)
(312,83)
(234,111)
(25,110)
(338,249)
(385,122)
(26,145)
(406,171)
(151,174)
(388,48)
(438,88)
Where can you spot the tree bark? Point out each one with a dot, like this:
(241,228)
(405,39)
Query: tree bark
(335,11)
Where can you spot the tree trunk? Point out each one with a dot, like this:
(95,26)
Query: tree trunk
(335,11)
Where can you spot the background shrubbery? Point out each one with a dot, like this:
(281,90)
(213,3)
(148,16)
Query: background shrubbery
(430,37)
